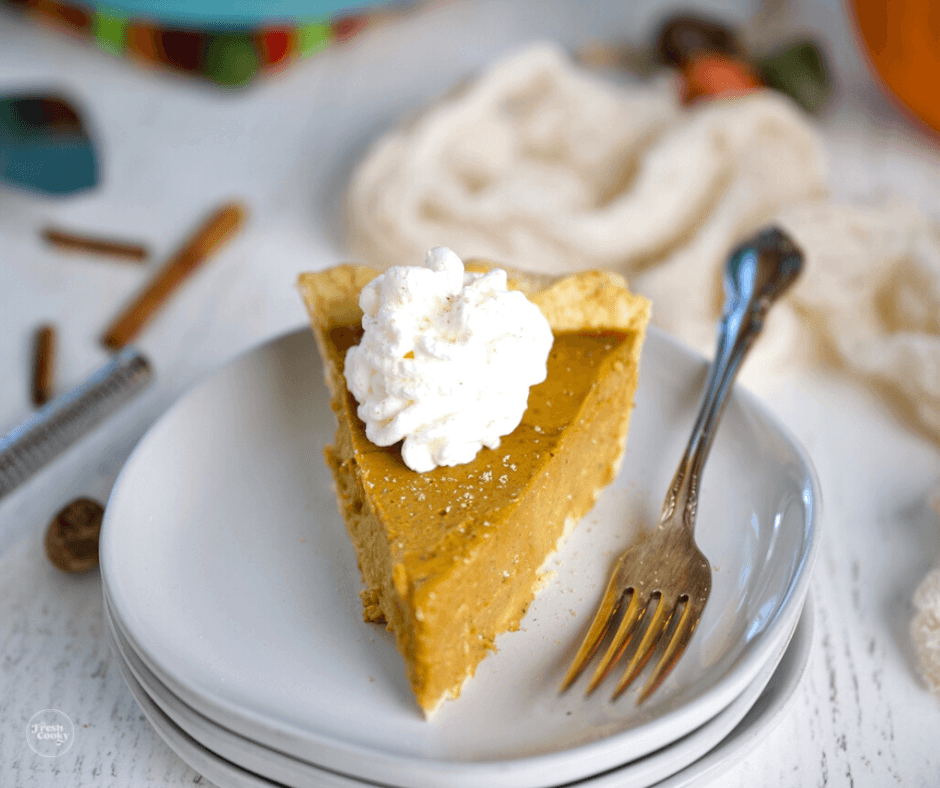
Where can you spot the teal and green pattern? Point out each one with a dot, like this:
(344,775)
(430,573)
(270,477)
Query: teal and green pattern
(227,55)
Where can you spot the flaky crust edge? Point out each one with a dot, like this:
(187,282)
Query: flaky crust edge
(592,300)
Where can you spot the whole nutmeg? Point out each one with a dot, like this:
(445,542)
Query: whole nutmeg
(72,536)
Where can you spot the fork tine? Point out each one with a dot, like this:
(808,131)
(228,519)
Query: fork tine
(628,626)
(658,624)
(682,634)
(606,611)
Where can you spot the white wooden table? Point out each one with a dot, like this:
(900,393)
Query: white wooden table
(173,149)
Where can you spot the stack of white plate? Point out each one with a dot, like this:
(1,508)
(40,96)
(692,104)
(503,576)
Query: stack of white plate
(231,590)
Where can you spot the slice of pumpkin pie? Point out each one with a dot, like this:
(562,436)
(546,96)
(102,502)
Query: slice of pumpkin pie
(452,556)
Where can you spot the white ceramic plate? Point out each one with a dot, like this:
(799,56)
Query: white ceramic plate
(669,767)
(662,764)
(230,570)
(764,715)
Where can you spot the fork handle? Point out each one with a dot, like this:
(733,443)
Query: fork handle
(757,273)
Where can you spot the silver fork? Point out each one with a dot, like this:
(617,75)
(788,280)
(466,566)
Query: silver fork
(659,586)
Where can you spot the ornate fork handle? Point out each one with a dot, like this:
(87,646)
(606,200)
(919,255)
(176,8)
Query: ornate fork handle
(752,285)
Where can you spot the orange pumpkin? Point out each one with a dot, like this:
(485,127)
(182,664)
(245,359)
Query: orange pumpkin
(902,39)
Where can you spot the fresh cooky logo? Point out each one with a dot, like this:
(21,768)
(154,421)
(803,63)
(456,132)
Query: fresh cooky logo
(50,733)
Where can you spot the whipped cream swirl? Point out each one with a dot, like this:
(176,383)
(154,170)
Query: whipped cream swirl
(446,360)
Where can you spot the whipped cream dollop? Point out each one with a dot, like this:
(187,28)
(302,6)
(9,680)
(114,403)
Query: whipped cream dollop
(446,360)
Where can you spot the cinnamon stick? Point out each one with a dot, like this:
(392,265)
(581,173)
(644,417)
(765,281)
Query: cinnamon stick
(214,232)
(108,247)
(43,365)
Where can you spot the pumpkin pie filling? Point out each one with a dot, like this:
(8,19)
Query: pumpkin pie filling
(453,557)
